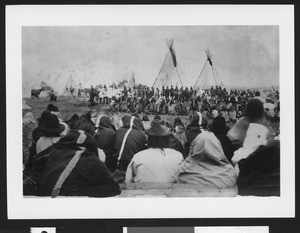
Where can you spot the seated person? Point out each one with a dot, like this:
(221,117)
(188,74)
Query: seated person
(51,130)
(130,139)
(105,138)
(158,163)
(260,171)
(220,129)
(207,165)
(256,134)
(74,169)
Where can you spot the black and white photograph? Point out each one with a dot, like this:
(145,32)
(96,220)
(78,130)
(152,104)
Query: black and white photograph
(152,113)
(168,111)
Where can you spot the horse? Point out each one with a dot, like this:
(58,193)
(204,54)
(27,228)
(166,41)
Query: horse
(36,92)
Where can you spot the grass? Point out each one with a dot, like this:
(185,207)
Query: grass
(68,105)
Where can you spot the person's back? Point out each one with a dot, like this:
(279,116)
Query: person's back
(130,139)
(260,172)
(106,140)
(158,163)
(207,165)
(154,165)
(74,168)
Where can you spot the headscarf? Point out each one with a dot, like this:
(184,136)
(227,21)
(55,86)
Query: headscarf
(103,122)
(207,165)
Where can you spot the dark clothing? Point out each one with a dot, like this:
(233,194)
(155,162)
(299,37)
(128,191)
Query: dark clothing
(135,142)
(260,172)
(89,177)
(175,144)
(191,132)
(36,134)
(106,140)
(220,129)
(33,172)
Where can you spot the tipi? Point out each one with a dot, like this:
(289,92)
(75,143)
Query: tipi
(70,85)
(209,75)
(132,82)
(169,74)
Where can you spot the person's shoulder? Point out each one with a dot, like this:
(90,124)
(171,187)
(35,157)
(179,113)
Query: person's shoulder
(143,153)
(172,152)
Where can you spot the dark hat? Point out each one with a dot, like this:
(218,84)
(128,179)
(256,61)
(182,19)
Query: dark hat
(43,117)
(145,118)
(50,107)
(157,117)
(158,128)
(52,125)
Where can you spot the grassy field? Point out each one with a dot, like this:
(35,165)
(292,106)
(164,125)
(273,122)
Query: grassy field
(68,105)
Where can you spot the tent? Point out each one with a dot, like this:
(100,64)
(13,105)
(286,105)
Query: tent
(70,85)
(169,73)
(132,82)
(209,75)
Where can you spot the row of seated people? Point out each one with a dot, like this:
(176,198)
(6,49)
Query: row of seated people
(79,157)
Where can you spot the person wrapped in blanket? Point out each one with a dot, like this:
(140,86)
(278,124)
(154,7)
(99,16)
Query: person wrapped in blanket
(105,137)
(72,166)
(206,164)
(257,161)
(130,139)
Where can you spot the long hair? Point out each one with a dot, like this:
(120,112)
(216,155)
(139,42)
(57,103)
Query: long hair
(160,142)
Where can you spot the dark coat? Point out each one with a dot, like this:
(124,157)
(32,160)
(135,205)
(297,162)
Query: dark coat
(260,172)
(106,140)
(191,132)
(89,177)
(175,144)
(220,129)
(136,141)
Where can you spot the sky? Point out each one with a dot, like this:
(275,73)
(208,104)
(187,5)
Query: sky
(246,56)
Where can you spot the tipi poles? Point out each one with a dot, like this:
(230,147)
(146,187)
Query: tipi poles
(218,76)
(200,74)
(179,76)
(213,74)
(160,70)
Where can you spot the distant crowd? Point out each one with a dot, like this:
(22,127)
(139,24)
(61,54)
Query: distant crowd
(92,154)
(179,101)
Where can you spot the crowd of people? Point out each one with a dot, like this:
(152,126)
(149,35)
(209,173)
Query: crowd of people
(179,101)
(81,156)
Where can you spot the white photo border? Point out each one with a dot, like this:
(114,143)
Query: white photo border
(20,207)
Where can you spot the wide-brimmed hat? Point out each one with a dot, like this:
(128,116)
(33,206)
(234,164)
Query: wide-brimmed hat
(159,128)
(52,125)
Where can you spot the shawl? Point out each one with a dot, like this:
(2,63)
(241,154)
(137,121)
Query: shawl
(207,165)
